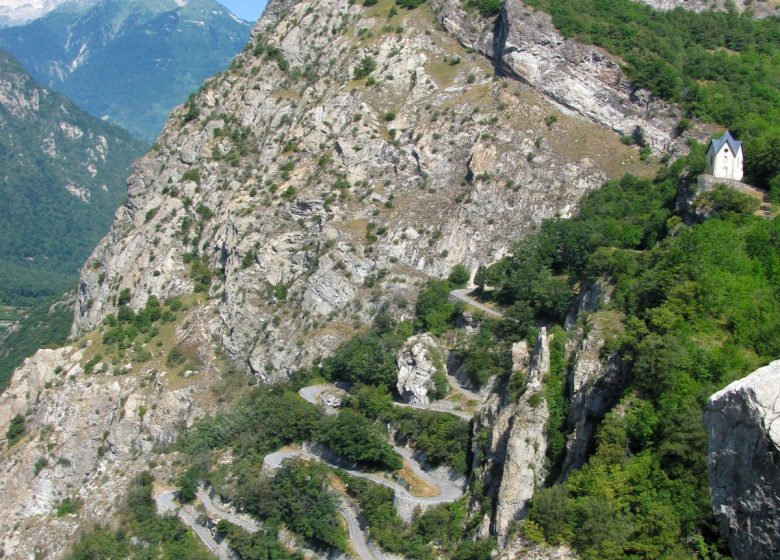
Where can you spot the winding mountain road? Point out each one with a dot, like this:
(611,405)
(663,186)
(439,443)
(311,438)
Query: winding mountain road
(166,503)
(463,295)
(448,491)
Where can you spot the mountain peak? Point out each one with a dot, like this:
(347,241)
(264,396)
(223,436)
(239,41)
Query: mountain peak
(130,61)
(18,12)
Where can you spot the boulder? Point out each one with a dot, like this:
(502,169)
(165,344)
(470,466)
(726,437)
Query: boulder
(418,362)
(743,426)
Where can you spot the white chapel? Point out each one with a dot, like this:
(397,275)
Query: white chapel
(724,158)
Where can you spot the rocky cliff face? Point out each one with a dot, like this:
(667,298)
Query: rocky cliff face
(524,463)
(596,378)
(307,189)
(347,155)
(88,428)
(579,79)
(743,425)
(761,8)
(419,361)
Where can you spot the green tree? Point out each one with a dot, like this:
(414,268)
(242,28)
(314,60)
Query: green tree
(459,276)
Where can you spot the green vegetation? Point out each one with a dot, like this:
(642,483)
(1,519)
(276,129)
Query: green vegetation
(434,311)
(142,534)
(719,67)
(68,506)
(442,438)
(484,354)
(555,395)
(299,495)
(260,545)
(486,8)
(365,67)
(368,358)
(701,309)
(16,429)
(409,4)
(459,276)
(45,324)
(47,230)
(357,439)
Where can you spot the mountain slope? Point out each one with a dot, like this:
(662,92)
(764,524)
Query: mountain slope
(280,230)
(63,175)
(130,61)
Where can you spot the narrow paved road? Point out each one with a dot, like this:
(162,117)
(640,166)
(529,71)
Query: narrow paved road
(356,534)
(463,295)
(246,524)
(166,503)
(448,491)
(455,384)
(312,395)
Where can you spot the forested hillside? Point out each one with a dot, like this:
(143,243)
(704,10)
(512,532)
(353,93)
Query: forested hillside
(63,176)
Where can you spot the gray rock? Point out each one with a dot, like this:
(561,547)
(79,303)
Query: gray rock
(418,361)
(743,427)
(759,8)
(579,78)
(524,465)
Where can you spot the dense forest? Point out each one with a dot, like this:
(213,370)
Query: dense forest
(719,67)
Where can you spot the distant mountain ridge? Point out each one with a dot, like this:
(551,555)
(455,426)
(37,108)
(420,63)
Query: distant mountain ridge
(128,61)
(17,12)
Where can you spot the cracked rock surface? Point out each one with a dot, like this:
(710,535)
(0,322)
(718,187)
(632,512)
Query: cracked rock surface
(743,425)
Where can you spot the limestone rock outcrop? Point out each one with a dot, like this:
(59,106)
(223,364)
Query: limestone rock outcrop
(760,8)
(524,464)
(580,79)
(596,381)
(85,437)
(419,361)
(743,426)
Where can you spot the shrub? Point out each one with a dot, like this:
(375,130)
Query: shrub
(68,506)
(368,358)
(175,357)
(486,8)
(434,311)
(188,485)
(191,175)
(355,438)
(364,68)
(459,276)
(409,4)
(16,429)
(192,111)
(724,199)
